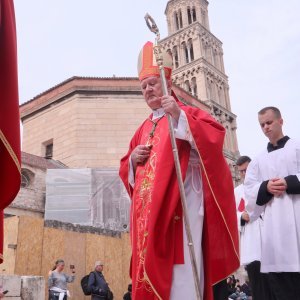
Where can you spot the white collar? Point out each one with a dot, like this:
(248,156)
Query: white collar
(157,113)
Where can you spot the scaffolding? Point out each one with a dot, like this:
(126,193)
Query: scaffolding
(94,197)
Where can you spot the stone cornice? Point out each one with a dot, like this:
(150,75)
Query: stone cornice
(193,28)
(202,64)
(90,86)
(79,79)
(208,67)
(74,85)
(221,109)
(187,98)
(68,94)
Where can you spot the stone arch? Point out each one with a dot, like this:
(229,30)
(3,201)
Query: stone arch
(27,177)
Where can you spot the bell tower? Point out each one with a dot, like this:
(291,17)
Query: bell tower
(198,65)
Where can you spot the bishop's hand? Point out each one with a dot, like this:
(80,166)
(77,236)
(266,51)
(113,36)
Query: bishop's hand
(139,155)
(170,106)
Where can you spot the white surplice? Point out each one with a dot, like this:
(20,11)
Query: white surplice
(250,235)
(281,226)
(183,286)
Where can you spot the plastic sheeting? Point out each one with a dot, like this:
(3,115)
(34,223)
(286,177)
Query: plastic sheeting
(93,197)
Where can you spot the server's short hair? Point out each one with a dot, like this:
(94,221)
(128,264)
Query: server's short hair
(273,108)
(242,159)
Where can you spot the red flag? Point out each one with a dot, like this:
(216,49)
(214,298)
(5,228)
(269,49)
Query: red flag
(241,207)
(10,153)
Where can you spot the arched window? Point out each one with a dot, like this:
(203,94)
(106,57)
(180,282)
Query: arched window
(209,89)
(27,178)
(176,20)
(171,54)
(219,88)
(189,13)
(221,95)
(175,57)
(188,86)
(208,54)
(203,17)
(194,87)
(194,16)
(180,19)
(225,90)
(190,43)
(213,61)
(186,52)
(213,90)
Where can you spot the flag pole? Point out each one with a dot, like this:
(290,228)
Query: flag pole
(159,60)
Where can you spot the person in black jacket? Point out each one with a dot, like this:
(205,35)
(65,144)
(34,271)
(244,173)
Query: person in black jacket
(246,288)
(97,283)
(127,296)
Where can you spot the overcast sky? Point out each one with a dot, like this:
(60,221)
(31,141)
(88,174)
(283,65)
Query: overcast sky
(58,39)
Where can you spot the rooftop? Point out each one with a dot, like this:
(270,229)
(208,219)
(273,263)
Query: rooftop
(41,162)
(77,84)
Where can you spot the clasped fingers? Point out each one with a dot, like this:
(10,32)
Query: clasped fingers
(140,154)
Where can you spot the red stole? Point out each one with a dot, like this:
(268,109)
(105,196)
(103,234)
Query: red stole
(156,216)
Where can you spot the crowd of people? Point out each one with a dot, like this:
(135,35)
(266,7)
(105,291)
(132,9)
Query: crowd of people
(264,217)
(266,208)
(97,287)
(237,291)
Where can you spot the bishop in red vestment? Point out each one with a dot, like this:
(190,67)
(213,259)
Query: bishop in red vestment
(160,264)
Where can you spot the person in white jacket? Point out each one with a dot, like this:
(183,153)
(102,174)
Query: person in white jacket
(273,183)
(249,224)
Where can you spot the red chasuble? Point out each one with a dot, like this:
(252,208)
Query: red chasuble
(156,213)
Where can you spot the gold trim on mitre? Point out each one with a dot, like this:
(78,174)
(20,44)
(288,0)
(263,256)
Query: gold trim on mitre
(147,65)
